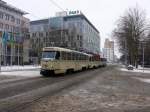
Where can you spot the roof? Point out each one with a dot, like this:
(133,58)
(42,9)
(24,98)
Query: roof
(83,17)
(6,5)
(56,49)
(45,21)
(42,21)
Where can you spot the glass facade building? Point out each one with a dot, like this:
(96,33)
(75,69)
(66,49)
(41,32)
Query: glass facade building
(74,32)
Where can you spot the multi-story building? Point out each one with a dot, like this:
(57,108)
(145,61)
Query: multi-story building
(69,31)
(108,50)
(13,35)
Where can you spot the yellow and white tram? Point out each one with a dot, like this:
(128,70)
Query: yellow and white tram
(60,60)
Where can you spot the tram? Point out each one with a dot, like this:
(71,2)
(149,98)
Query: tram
(56,60)
(103,62)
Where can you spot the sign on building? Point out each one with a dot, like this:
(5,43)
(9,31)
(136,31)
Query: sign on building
(77,12)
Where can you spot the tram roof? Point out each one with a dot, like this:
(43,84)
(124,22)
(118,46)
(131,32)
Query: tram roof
(61,49)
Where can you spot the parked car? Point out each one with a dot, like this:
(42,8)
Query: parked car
(130,67)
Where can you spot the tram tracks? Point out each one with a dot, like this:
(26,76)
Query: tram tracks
(41,89)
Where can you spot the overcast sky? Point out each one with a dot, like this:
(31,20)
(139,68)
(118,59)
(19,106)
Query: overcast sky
(102,13)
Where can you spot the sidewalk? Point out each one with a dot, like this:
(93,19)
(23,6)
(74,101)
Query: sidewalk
(19,68)
(139,69)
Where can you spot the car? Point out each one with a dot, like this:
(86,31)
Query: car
(130,67)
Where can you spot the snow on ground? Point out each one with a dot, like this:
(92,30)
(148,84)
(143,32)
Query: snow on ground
(142,79)
(139,70)
(19,68)
(27,73)
(135,70)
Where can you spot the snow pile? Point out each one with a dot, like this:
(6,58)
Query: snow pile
(19,68)
(27,73)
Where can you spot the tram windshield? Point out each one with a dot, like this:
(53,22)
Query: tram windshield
(49,55)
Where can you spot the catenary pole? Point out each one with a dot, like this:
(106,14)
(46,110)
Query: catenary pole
(143,58)
(0,54)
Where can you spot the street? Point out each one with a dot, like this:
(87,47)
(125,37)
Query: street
(98,90)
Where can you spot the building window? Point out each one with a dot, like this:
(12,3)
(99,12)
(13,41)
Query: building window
(14,29)
(17,29)
(12,19)
(22,22)
(18,21)
(1,15)
(80,43)
(7,17)
(33,34)
(1,25)
(11,28)
(7,27)
(40,34)
(46,34)
(78,37)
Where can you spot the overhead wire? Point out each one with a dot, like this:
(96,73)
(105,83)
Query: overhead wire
(54,3)
(58,6)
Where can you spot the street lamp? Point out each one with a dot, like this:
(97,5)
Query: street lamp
(143,57)
(0,53)
(0,58)
(143,43)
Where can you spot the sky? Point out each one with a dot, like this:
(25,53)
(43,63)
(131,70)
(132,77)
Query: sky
(103,14)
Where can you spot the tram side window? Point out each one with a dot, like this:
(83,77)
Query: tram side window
(84,57)
(76,56)
(73,56)
(87,57)
(90,58)
(69,56)
(64,56)
(81,57)
(58,55)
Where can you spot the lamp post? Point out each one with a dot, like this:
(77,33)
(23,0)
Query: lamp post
(143,58)
(143,43)
(0,54)
(126,52)
(1,48)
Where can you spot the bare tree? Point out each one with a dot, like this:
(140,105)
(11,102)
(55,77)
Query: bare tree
(129,31)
